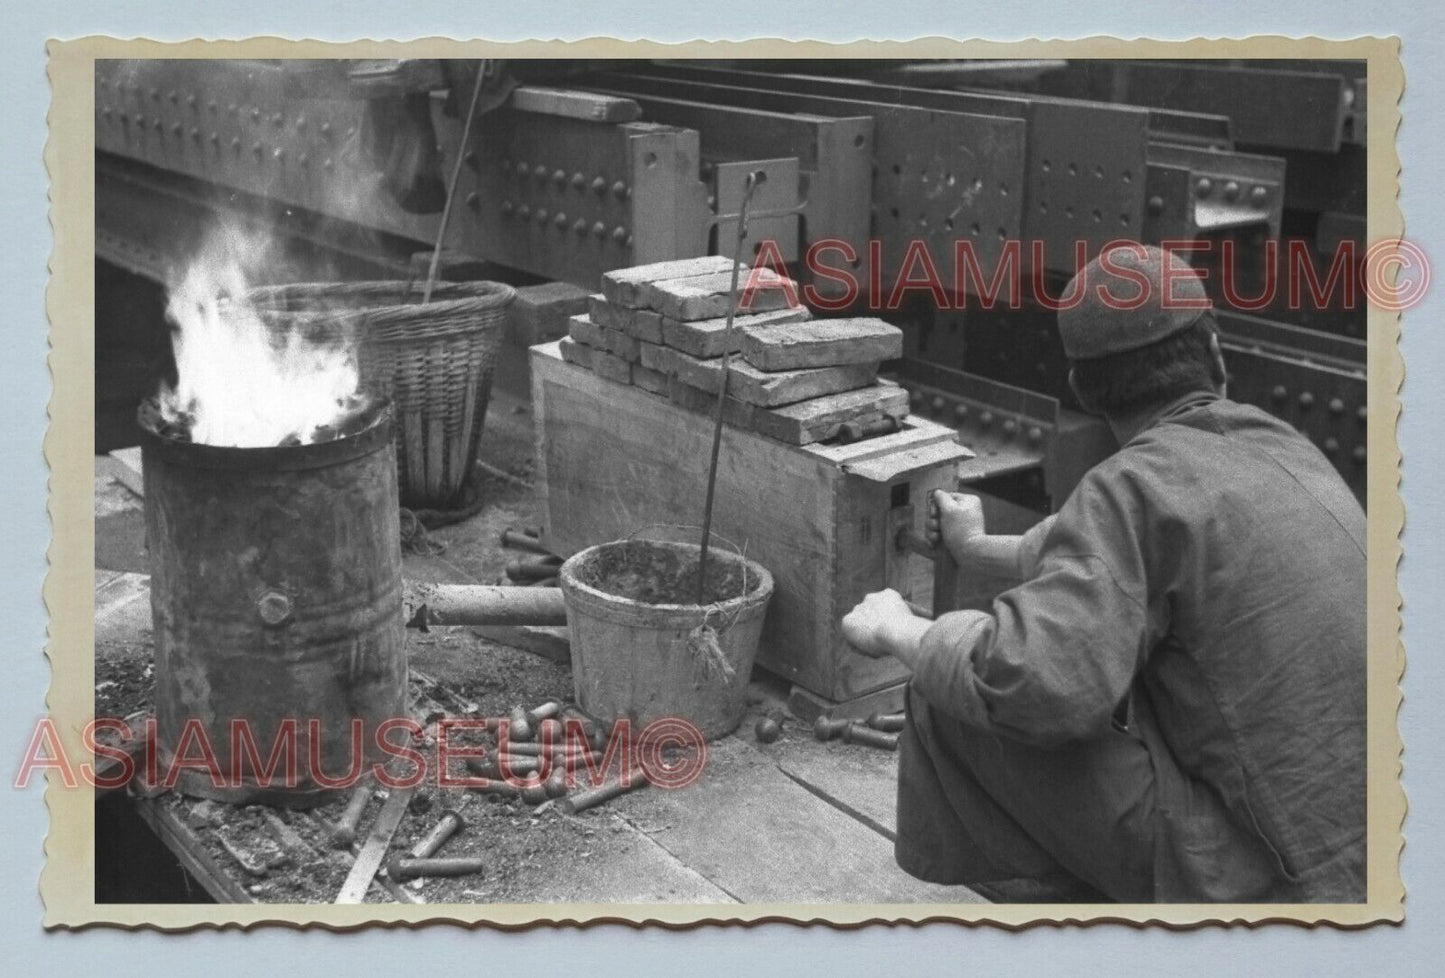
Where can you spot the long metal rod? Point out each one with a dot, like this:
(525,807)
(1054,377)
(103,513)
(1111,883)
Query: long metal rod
(436,253)
(754,178)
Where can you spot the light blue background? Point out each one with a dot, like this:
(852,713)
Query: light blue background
(775,949)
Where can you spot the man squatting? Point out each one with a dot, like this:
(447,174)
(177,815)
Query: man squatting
(1170,704)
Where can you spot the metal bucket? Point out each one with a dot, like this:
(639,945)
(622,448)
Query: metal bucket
(276,596)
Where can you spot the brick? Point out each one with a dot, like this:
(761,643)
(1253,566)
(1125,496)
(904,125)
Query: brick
(748,383)
(736,413)
(709,296)
(652,381)
(628,286)
(820,343)
(574,352)
(821,418)
(704,338)
(620,344)
(610,367)
(539,313)
(642,324)
(584,330)
(656,357)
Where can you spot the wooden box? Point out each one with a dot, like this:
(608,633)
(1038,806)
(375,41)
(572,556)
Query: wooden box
(824,519)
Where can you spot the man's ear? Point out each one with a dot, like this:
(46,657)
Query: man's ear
(1217,373)
(1083,401)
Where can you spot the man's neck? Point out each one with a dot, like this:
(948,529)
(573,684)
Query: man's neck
(1128,426)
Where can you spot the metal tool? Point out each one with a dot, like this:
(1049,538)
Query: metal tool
(826,729)
(592,797)
(368,860)
(753,181)
(450,824)
(343,834)
(889,722)
(404,868)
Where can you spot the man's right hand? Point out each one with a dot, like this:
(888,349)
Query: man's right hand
(956,519)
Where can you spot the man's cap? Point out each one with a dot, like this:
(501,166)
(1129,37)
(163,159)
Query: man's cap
(1127,302)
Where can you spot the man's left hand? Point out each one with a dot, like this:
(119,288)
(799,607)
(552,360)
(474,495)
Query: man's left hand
(882,624)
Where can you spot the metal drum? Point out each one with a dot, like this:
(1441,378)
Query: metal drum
(277,602)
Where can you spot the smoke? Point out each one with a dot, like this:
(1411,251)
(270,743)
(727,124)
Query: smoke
(245,378)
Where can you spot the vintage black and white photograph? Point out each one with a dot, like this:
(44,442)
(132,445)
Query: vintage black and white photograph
(881,488)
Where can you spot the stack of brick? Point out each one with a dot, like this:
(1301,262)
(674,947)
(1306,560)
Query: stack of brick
(663,328)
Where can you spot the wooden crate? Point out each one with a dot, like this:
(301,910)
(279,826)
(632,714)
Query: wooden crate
(824,519)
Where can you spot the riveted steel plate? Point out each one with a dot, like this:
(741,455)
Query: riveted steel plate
(1086,178)
(231,123)
(939,176)
(778,192)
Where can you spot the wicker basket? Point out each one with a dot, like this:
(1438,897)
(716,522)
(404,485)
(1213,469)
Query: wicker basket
(434,362)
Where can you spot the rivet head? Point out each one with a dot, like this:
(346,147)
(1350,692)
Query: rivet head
(560,220)
(559,177)
(325,128)
(579,181)
(274,608)
(279,153)
(1362,413)
(1331,446)
(506,208)
(937,405)
(523,211)
(304,159)
(1010,428)
(540,172)
(327,164)
(1279,393)
(599,186)
(1306,400)
(1337,406)
(1156,205)
(619,234)
(521,169)
(175,128)
(619,189)
(960,413)
(191,100)
(580,226)
(1359,455)
(1036,435)
(1203,187)
(985,419)
(255,114)
(473,200)
(300,122)
(1259,194)
(1231,190)
(599,229)
(541,215)
(277,119)
(915,399)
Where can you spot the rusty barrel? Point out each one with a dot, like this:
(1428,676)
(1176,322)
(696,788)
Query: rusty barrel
(277,602)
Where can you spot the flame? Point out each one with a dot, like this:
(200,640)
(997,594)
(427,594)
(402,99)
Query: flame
(238,382)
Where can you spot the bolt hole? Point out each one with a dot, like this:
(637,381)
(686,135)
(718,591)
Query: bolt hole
(649,160)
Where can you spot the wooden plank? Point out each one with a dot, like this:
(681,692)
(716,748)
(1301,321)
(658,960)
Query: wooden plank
(756,833)
(916,431)
(708,337)
(748,383)
(176,836)
(822,418)
(821,343)
(573,104)
(710,296)
(643,324)
(628,286)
